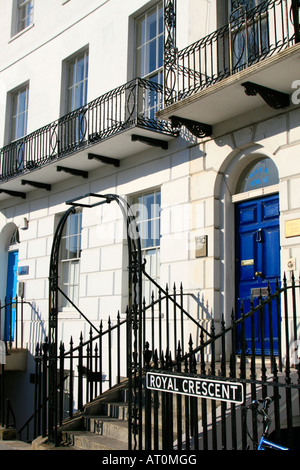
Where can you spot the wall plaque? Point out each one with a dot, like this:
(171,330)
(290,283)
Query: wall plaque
(201,246)
(292,228)
(23,270)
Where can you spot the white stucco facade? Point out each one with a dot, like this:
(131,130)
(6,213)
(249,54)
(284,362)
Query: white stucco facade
(197,177)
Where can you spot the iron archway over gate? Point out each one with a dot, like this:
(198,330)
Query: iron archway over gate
(134,331)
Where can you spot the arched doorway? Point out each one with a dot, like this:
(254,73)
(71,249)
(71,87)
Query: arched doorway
(257,247)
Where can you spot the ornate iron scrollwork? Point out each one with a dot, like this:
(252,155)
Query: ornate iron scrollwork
(134,339)
(198,129)
(275,99)
(170,51)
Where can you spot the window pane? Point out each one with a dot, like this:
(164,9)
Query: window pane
(73,247)
(148,203)
(140,64)
(151,26)
(160,20)
(160,51)
(79,96)
(141,32)
(20,126)
(80,70)
(151,57)
(22,101)
(64,247)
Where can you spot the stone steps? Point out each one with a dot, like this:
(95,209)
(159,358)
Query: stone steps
(86,440)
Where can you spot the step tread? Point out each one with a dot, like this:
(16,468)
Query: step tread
(91,441)
(109,419)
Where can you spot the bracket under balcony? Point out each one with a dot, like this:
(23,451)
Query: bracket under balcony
(198,129)
(274,98)
(73,171)
(13,193)
(101,158)
(150,141)
(37,184)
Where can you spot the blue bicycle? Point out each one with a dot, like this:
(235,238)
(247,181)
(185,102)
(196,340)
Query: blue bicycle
(261,407)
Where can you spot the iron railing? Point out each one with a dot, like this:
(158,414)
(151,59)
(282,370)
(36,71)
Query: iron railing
(216,352)
(12,322)
(7,416)
(99,362)
(192,421)
(249,37)
(129,105)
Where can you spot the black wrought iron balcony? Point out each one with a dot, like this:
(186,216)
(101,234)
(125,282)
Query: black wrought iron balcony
(129,106)
(249,64)
(250,37)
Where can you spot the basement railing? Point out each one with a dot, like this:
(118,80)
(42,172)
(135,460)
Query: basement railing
(131,105)
(12,322)
(250,37)
(97,363)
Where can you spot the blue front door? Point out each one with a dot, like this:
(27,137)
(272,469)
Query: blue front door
(11,292)
(257,263)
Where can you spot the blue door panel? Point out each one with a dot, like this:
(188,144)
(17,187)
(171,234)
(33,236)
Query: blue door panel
(270,211)
(248,214)
(271,255)
(257,260)
(11,292)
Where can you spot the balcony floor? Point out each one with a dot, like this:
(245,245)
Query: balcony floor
(118,146)
(227,99)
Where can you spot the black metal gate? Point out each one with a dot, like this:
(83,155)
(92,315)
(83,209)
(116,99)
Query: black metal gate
(134,309)
(193,397)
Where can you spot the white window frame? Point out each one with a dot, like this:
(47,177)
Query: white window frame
(69,266)
(150,217)
(25,10)
(17,113)
(73,82)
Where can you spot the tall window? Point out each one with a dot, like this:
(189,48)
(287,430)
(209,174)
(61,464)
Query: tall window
(150,43)
(18,128)
(24,14)
(149,55)
(19,113)
(147,208)
(70,259)
(72,128)
(77,81)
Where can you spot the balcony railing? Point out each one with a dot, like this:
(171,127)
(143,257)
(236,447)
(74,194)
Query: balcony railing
(130,105)
(250,37)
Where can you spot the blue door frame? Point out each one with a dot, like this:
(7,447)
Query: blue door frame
(11,292)
(257,262)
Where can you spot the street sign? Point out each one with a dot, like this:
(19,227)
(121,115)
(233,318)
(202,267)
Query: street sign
(197,387)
